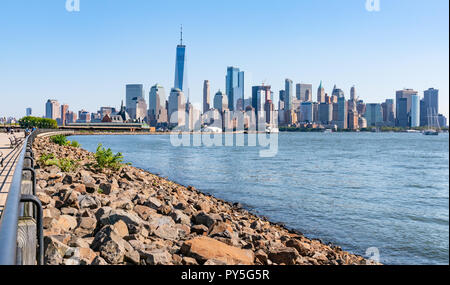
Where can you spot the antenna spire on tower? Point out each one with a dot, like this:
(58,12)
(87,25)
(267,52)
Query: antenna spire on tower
(181,38)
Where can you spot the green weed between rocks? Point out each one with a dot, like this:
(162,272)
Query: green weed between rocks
(106,159)
(65,164)
(62,141)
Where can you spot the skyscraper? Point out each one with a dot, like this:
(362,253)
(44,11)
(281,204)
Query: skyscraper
(342,113)
(260,94)
(206,96)
(403,114)
(180,67)
(388,112)
(141,109)
(415,111)
(337,92)
(431,98)
(321,94)
(52,110)
(303,91)
(325,113)
(29,112)
(64,110)
(306,112)
(234,83)
(133,92)
(353,93)
(288,96)
(221,101)
(177,103)
(374,115)
(157,112)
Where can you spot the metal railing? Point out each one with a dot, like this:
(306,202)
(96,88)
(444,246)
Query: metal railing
(14,209)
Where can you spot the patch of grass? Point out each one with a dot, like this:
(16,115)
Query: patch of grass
(65,164)
(46,157)
(106,159)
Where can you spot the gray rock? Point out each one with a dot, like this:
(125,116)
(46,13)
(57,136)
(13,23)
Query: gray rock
(88,202)
(157,257)
(207,219)
(180,218)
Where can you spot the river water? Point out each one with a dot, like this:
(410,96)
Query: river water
(386,192)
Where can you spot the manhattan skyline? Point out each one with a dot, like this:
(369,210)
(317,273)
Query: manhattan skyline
(69,64)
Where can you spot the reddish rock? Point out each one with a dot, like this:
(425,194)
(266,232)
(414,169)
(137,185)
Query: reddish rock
(205,248)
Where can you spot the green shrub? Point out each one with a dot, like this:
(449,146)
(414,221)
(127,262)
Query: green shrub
(75,144)
(34,122)
(59,140)
(106,159)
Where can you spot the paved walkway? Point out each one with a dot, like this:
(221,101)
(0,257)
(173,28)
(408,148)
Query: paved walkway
(10,156)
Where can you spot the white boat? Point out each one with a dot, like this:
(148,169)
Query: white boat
(272,130)
(432,121)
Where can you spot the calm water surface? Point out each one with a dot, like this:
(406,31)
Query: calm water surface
(383,190)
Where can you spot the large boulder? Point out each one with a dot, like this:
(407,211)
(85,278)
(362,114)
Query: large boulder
(208,220)
(109,216)
(283,255)
(205,248)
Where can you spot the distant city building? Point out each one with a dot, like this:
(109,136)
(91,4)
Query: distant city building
(84,116)
(431,97)
(157,112)
(415,111)
(353,93)
(180,67)
(342,113)
(193,120)
(374,115)
(388,112)
(206,96)
(133,92)
(177,103)
(353,119)
(403,112)
(220,101)
(52,110)
(361,107)
(337,92)
(234,83)
(362,122)
(303,92)
(288,96)
(107,111)
(321,94)
(307,112)
(71,117)
(325,113)
(141,109)
(29,112)
(270,113)
(442,120)
(64,110)
(260,94)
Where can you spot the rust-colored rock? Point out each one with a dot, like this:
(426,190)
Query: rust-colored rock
(205,248)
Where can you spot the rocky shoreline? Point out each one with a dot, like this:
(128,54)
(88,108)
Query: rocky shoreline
(131,216)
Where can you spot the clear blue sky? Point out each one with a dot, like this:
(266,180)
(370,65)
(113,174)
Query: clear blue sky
(85,59)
